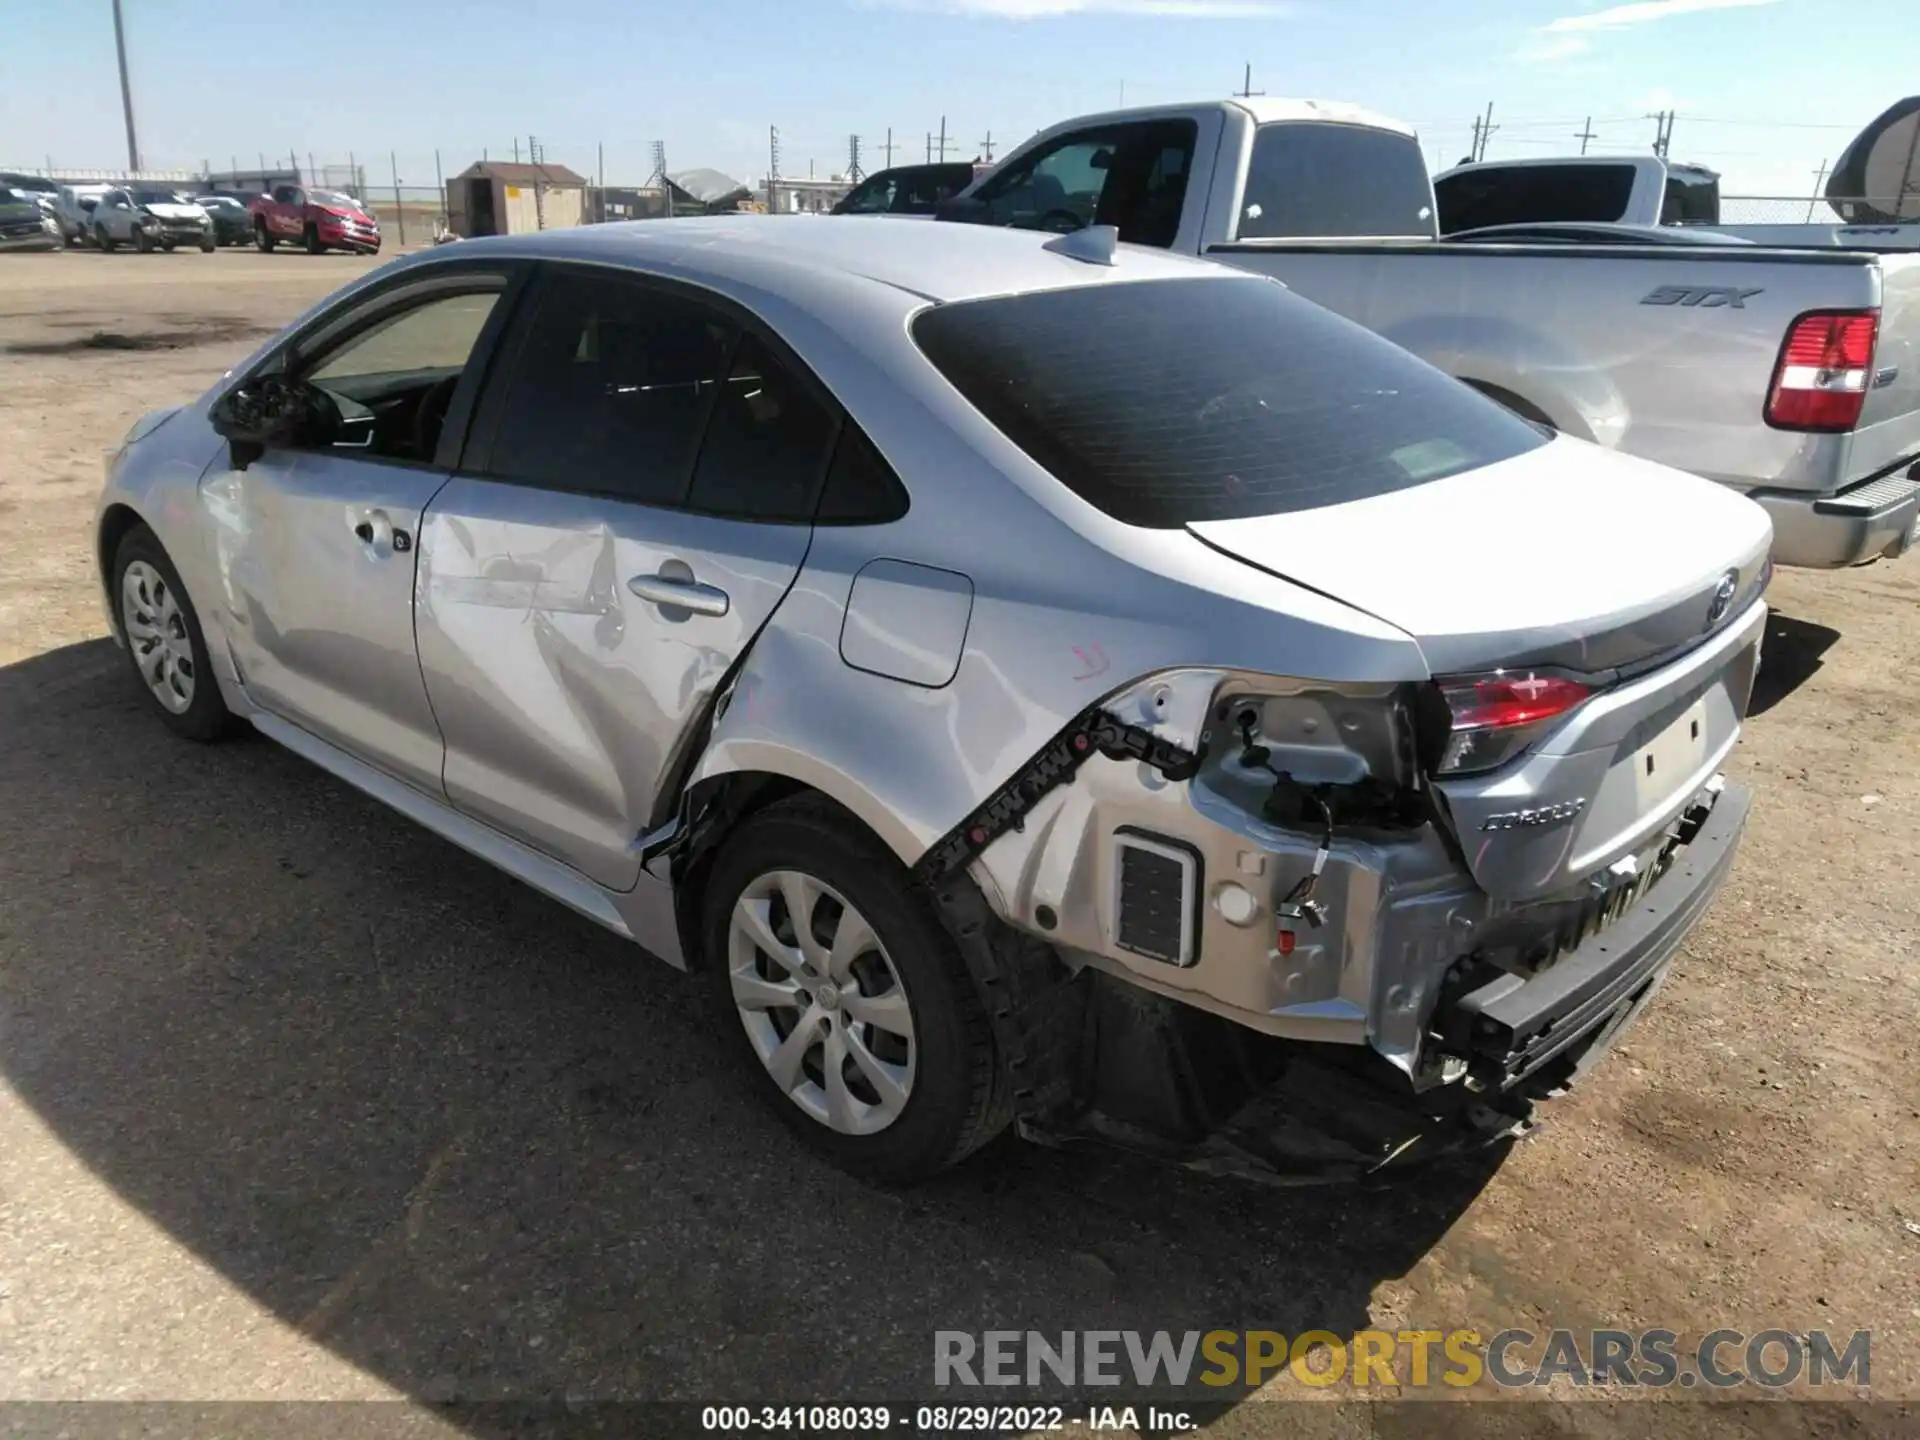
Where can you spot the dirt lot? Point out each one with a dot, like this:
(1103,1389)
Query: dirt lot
(297,1102)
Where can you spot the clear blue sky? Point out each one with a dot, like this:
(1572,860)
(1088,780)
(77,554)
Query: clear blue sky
(1765,89)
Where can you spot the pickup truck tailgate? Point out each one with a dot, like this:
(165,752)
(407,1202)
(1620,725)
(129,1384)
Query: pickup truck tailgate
(1889,431)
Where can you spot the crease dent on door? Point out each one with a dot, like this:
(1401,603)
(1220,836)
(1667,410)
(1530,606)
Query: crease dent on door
(563,697)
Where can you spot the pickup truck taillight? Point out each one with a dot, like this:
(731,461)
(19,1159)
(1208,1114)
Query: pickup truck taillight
(1824,372)
(1495,717)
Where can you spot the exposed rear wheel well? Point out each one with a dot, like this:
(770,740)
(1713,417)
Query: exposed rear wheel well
(114,527)
(721,805)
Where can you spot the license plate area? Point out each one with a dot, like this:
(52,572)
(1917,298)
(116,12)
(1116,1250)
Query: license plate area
(1673,759)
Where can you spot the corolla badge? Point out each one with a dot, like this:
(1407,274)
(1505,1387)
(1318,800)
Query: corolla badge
(1527,819)
(1723,595)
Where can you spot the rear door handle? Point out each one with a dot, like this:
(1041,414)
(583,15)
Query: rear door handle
(687,594)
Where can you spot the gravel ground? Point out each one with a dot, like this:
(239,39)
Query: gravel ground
(298,1102)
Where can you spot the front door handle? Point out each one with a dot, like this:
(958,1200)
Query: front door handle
(682,594)
(378,531)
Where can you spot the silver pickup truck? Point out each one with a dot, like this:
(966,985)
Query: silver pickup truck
(1791,375)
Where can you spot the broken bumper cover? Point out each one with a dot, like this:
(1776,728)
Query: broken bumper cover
(1516,1028)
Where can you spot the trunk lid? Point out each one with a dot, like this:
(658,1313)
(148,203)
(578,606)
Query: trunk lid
(1644,580)
(1569,556)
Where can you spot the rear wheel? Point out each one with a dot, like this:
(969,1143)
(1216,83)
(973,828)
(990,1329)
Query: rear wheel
(164,640)
(314,247)
(846,1000)
(261,239)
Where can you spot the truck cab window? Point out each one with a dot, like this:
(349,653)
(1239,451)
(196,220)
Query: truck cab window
(1130,176)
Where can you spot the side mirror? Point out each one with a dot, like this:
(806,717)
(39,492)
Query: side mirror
(268,413)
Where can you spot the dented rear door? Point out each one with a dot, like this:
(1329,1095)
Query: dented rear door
(636,506)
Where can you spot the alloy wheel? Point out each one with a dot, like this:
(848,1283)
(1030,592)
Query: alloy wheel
(157,632)
(822,1003)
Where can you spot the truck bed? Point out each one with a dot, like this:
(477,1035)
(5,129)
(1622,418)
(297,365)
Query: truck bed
(1666,351)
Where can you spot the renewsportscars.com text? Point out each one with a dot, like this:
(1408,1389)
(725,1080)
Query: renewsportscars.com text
(1510,1359)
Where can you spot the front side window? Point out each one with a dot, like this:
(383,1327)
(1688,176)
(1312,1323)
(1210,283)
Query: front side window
(871,197)
(1170,402)
(611,389)
(1310,180)
(394,381)
(1130,176)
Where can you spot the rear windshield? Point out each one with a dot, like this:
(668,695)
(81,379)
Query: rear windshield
(1528,194)
(1168,402)
(1320,181)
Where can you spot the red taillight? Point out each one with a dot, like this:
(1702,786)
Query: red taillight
(1825,370)
(1497,716)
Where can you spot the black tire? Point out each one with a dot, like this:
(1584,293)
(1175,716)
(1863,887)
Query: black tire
(206,718)
(314,247)
(960,1098)
(102,239)
(142,242)
(262,241)
(206,245)
(167,245)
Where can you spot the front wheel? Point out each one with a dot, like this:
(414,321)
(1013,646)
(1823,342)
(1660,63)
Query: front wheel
(164,639)
(142,241)
(206,245)
(848,1003)
(314,247)
(102,239)
(261,239)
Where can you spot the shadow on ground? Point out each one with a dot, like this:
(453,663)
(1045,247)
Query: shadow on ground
(1790,656)
(483,1150)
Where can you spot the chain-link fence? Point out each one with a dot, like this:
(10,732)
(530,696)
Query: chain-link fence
(1805,210)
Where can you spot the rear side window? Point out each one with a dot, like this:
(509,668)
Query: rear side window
(1315,180)
(611,390)
(1529,194)
(1169,402)
(766,446)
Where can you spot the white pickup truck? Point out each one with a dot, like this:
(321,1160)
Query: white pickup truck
(1792,376)
(1631,190)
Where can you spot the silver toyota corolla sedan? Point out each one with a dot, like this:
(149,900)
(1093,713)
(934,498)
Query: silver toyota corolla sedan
(1028,678)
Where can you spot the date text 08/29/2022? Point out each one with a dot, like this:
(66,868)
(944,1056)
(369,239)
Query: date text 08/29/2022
(943,1419)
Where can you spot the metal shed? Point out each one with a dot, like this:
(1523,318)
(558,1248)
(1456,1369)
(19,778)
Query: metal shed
(501,197)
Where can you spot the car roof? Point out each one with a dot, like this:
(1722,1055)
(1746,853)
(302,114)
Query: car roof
(937,261)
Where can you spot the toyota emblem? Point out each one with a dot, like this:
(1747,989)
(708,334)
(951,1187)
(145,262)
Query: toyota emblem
(1723,595)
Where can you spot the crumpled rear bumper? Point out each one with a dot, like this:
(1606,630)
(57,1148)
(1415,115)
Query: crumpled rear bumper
(1513,1029)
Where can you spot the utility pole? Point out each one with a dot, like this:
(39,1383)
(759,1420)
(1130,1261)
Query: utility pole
(773,169)
(516,149)
(1482,132)
(600,168)
(943,137)
(854,173)
(888,149)
(1586,134)
(1819,179)
(126,90)
(986,147)
(399,214)
(1663,132)
(1245,91)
